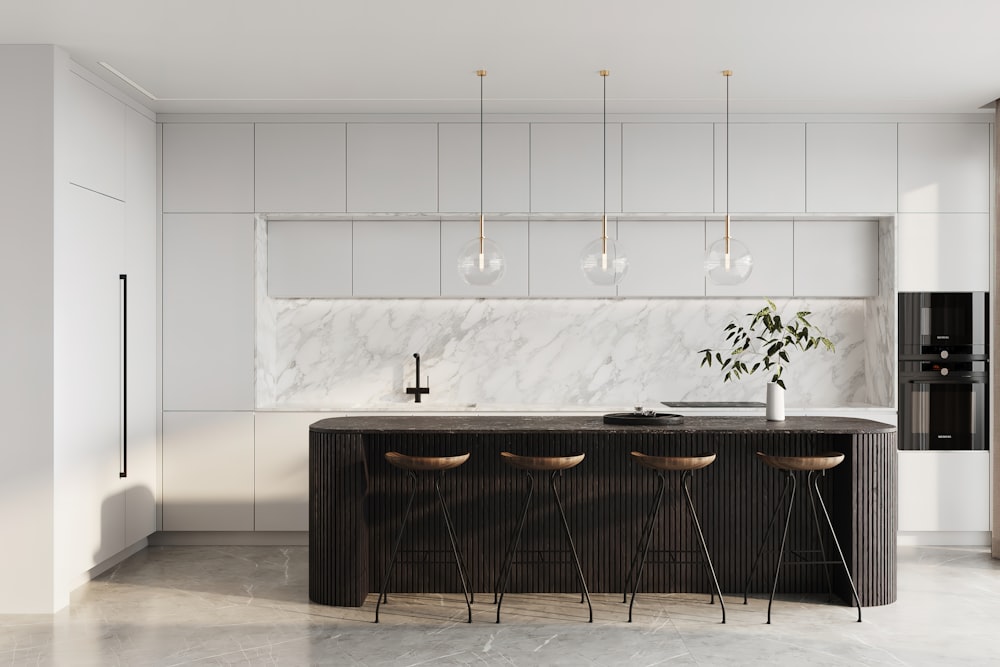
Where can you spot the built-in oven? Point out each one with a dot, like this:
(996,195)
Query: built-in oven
(943,406)
(943,370)
(942,324)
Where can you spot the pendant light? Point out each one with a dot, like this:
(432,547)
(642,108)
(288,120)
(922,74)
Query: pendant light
(728,261)
(480,262)
(603,261)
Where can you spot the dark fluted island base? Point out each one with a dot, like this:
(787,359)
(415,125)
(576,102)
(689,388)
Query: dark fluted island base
(356,499)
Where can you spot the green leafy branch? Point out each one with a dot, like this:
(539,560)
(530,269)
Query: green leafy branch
(765,341)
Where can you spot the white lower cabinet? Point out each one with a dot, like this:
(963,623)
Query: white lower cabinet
(208,471)
(944,491)
(281,469)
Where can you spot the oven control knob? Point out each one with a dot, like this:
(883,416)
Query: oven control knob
(944,354)
(944,371)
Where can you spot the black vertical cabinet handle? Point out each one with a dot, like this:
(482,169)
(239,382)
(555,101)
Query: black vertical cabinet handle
(123,471)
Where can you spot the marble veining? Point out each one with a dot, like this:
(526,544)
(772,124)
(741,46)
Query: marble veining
(357,354)
(189,605)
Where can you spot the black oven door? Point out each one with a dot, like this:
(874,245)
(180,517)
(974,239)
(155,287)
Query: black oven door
(937,414)
(955,323)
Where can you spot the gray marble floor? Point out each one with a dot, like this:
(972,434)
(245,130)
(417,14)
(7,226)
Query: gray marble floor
(249,606)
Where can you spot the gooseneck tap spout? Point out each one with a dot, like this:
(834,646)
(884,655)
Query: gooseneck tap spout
(418,390)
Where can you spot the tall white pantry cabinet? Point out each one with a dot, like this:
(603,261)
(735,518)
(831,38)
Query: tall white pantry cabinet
(78,432)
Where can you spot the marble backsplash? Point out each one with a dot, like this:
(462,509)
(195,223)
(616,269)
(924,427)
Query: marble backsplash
(344,354)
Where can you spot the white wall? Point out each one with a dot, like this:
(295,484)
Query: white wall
(26,339)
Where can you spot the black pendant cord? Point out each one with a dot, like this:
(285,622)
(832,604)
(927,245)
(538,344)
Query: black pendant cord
(481,77)
(604,156)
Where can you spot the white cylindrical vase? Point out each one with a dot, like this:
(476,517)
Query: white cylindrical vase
(775,402)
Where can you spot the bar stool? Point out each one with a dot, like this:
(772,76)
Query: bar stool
(686,465)
(554,465)
(436,466)
(815,467)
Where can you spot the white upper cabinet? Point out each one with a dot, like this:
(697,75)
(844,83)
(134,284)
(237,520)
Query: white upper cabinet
(667,167)
(208,471)
(208,312)
(554,263)
(836,258)
(505,167)
(392,167)
(208,168)
(944,167)
(397,258)
(943,252)
(767,167)
(770,245)
(96,150)
(309,259)
(512,238)
(666,257)
(300,167)
(851,167)
(566,167)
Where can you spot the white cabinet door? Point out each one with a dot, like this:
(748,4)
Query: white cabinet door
(567,168)
(944,167)
(208,312)
(942,252)
(397,258)
(667,167)
(281,469)
(208,470)
(770,245)
(309,259)
(666,257)
(836,258)
(767,167)
(300,167)
(851,167)
(208,168)
(505,167)
(554,261)
(512,238)
(141,327)
(392,167)
(89,258)
(96,142)
(944,491)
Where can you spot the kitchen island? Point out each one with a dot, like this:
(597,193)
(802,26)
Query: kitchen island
(356,500)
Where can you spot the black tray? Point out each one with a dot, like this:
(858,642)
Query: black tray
(642,419)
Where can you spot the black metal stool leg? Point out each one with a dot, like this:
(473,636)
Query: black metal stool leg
(504,579)
(789,482)
(454,543)
(763,542)
(685,485)
(640,552)
(569,537)
(642,549)
(395,547)
(463,568)
(813,492)
(836,543)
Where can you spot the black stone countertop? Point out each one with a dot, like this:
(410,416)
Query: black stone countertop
(521,424)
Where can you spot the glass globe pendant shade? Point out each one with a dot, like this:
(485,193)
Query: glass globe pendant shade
(480,262)
(728,263)
(603,262)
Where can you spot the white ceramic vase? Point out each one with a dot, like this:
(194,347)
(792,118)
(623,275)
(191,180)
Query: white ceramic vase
(775,402)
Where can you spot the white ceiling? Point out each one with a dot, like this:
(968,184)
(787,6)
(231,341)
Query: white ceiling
(401,56)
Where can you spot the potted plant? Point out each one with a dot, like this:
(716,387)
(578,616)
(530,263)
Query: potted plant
(763,344)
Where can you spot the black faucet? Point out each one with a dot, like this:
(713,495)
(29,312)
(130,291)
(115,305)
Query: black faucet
(418,390)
